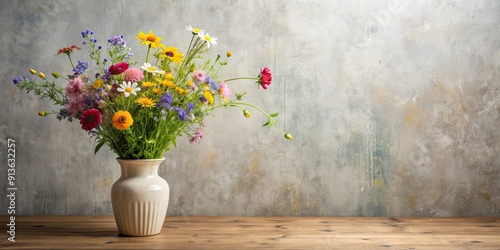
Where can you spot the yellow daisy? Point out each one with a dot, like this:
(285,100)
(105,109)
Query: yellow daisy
(122,120)
(157,91)
(145,102)
(98,83)
(148,84)
(173,54)
(181,91)
(150,39)
(167,83)
(208,95)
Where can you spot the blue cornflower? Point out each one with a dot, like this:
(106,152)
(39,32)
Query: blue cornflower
(88,100)
(87,33)
(181,113)
(165,101)
(212,83)
(203,99)
(80,68)
(63,114)
(19,79)
(189,108)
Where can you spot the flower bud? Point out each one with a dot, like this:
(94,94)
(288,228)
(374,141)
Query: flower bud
(56,74)
(246,113)
(33,72)
(41,75)
(42,113)
(288,136)
(229,54)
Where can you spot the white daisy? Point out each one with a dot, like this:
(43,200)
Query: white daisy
(128,88)
(195,31)
(152,69)
(209,39)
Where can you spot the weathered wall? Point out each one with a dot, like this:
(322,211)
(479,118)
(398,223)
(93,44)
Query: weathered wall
(394,107)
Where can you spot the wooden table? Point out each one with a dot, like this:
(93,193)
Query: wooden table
(100,232)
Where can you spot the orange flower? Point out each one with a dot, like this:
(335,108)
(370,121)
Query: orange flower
(67,50)
(122,120)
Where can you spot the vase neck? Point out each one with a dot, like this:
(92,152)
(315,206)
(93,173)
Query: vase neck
(139,167)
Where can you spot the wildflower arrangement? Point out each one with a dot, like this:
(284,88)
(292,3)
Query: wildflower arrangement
(140,110)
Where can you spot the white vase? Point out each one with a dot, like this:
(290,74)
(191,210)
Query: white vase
(140,198)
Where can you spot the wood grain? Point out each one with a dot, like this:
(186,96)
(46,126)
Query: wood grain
(87,232)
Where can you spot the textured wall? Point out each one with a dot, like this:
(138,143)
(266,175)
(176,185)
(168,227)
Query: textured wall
(394,107)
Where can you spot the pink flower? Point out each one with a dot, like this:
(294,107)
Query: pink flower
(224,90)
(118,68)
(133,75)
(265,77)
(197,138)
(75,105)
(90,119)
(199,76)
(75,87)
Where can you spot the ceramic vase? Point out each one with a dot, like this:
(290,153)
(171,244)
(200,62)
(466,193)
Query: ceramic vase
(140,198)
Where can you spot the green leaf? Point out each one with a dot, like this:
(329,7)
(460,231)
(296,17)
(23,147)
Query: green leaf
(274,115)
(267,123)
(98,146)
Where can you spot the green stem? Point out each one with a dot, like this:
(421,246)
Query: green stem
(241,78)
(147,55)
(72,65)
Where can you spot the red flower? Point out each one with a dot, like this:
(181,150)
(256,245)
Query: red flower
(90,119)
(118,68)
(265,77)
(67,50)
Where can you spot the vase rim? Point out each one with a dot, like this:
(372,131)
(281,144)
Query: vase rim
(145,160)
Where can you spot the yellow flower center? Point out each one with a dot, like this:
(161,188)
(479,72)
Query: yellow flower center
(128,89)
(208,39)
(196,30)
(151,68)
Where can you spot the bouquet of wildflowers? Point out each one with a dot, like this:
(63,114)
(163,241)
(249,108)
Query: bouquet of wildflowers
(140,110)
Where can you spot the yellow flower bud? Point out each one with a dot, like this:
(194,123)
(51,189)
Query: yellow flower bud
(41,75)
(246,113)
(42,113)
(229,54)
(33,72)
(288,136)
(56,74)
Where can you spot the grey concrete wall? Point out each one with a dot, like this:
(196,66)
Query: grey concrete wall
(394,107)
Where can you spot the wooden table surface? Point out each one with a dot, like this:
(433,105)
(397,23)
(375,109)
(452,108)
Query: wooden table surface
(100,232)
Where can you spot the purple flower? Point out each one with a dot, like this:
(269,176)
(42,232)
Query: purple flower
(87,33)
(181,113)
(189,108)
(165,101)
(212,83)
(80,68)
(117,41)
(19,79)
